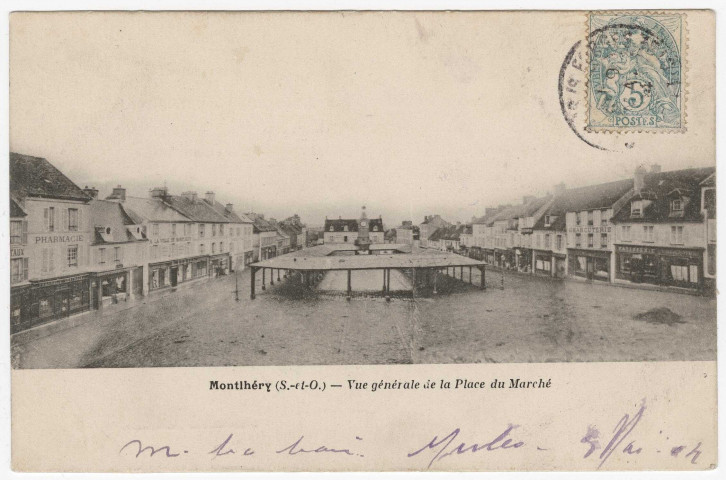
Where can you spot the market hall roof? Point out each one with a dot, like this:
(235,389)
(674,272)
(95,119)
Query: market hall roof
(661,188)
(317,258)
(37,177)
(151,210)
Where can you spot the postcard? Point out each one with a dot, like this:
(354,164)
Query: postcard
(363,241)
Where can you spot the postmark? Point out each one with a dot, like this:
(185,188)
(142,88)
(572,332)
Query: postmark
(635,72)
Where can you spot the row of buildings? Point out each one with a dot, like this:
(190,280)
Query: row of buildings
(71,251)
(656,228)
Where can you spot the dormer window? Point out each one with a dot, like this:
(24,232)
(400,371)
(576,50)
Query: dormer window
(345,228)
(331,228)
(548,221)
(579,218)
(677,206)
(375,229)
(636,208)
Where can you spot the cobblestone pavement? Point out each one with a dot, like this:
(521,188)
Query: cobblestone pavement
(530,320)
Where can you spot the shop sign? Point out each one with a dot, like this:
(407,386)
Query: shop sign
(669,252)
(156,241)
(16,251)
(58,239)
(605,229)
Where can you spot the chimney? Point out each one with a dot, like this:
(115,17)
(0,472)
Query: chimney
(229,207)
(560,188)
(119,192)
(655,168)
(91,192)
(639,179)
(159,192)
(191,196)
(209,197)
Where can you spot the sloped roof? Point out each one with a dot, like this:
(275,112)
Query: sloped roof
(259,224)
(520,210)
(107,214)
(662,187)
(16,210)
(37,177)
(198,211)
(352,224)
(151,210)
(231,216)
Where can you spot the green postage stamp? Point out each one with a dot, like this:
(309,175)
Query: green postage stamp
(636,72)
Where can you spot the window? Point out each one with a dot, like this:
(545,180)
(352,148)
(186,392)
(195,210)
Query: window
(101,256)
(16,232)
(590,217)
(201,230)
(547,241)
(590,240)
(72,219)
(579,218)
(559,242)
(154,252)
(625,233)
(201,248)
(345,228)
(578,240)
(603,240)
(677,235)
(604,217)
(331,228)
(648,233)
(117,254)
(547,220)
(221,230)
(72,255)
(214,247)
(49,214)
(636,208)
(155,229)
(214,229)
(221,246)
(18,270)
(173,229)
(677,206)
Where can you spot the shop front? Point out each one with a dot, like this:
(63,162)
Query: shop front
(523,259)
(20,301)
(589,264)
(175,272)
(477,253)
(249,257)
(677,267)
(219,264)
(110,287)
(543,261)
(48,300)
(489,256)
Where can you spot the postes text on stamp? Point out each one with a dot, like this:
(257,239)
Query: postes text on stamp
(636,72)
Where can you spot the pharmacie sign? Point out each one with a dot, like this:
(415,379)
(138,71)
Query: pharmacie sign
(45,239)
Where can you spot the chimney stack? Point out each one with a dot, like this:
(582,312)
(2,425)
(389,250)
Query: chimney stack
(209,197)
(159,192)
(229,207)
(191,196)
(91,192)
(119,193)
(655,168)
(639,179)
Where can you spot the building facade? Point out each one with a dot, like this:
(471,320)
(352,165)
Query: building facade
(662,232)
(428,227)
(50,244)
(345,230)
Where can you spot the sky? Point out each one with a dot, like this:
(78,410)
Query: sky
(318,114)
